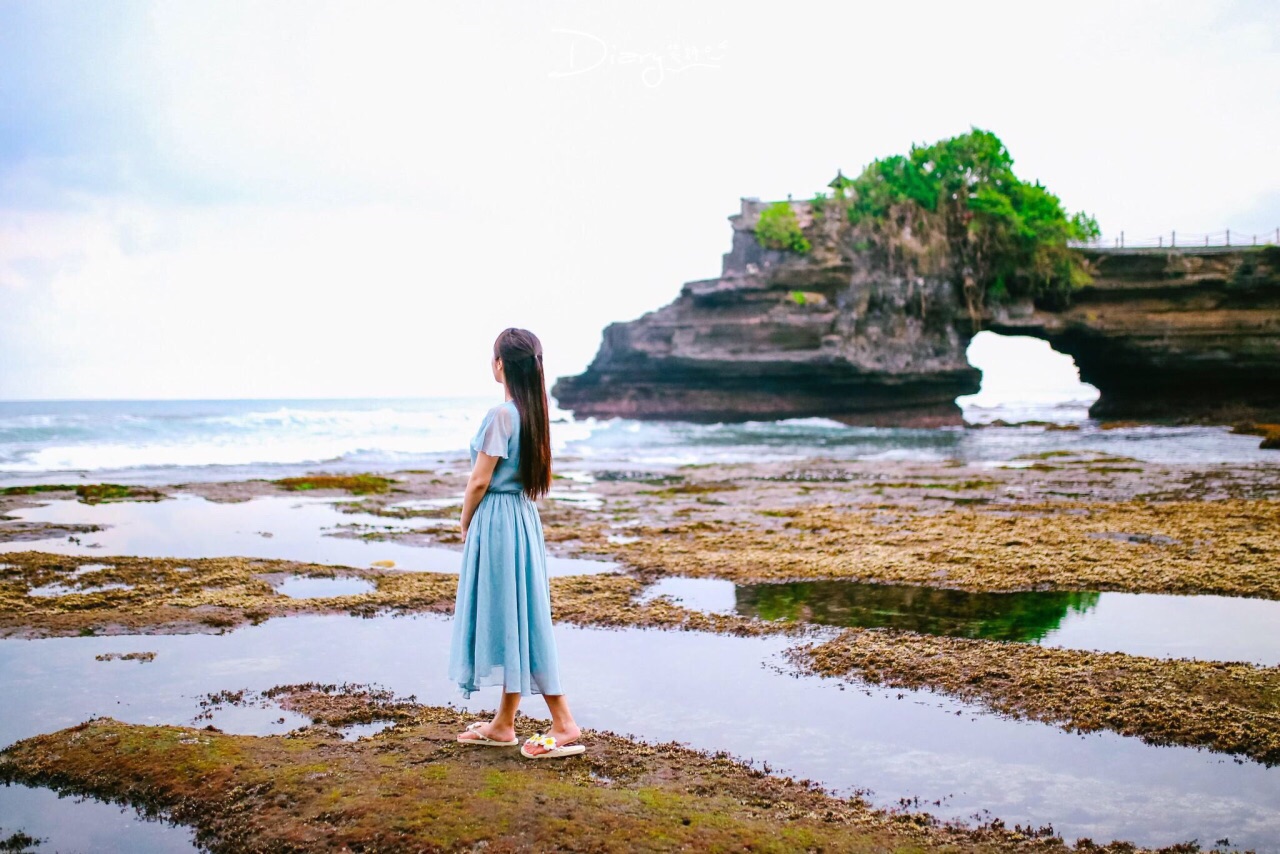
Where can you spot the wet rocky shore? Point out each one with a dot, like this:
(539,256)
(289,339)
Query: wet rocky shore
(985,585)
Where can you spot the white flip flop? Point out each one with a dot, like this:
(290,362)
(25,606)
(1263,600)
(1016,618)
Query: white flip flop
(554,751)
(482,740)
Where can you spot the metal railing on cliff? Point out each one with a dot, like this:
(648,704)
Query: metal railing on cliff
(1226,239)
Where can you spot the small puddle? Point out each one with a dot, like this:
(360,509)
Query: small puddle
(425,504)
(355,732)
(307,587)
(710,595)
(581,498)
(417,523)
(1137,539)
(62,590)
(1217,628)
(291,528)
(86,568)
(251,719)
(623,539)
(80,824)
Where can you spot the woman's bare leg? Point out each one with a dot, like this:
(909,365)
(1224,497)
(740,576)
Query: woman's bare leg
(563,727)
(503,725)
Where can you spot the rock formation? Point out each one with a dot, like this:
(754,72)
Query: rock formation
(1185,334)
(779,335)
(1161,334)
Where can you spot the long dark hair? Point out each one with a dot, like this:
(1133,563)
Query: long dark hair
(521,354)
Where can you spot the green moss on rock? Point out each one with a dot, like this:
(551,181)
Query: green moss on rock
(356,484)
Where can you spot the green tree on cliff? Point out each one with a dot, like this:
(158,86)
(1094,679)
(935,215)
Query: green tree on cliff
(1000,234)
(955,208)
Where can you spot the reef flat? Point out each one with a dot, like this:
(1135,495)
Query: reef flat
(1061,524)
(130,595)
(1167,547)
(47,595)
(1068,520)
(1227,707)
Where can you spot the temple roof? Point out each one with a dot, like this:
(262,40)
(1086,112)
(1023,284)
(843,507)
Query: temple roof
(840,181)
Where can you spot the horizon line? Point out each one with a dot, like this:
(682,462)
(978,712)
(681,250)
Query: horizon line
(227,399)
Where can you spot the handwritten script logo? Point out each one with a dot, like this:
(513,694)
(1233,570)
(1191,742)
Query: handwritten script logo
(589,52)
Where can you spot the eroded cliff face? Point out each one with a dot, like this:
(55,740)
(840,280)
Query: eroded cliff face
(1161,334)
(785,336)
(1170,335)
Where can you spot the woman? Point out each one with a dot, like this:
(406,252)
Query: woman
(502,619)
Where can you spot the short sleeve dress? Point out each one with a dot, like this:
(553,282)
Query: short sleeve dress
(502,617)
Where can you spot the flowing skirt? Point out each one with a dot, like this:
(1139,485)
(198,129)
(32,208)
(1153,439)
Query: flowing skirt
(502,617)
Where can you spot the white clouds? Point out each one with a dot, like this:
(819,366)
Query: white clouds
(249,301)
(325,100)
(342,199)
(260,301)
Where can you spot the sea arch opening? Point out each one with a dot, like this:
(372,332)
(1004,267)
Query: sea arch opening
(1024,379)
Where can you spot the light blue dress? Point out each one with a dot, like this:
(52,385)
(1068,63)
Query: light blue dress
(502,617)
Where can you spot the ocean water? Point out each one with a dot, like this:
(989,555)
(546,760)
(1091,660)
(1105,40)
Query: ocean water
(229,438)
(183,441)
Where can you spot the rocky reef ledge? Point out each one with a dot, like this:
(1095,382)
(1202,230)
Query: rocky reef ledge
(780,335)
(1191,334)
(1163,334)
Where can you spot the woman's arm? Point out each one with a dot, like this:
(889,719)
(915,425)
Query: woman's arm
(477,486)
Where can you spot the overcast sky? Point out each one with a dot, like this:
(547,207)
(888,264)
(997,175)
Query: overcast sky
(234,199)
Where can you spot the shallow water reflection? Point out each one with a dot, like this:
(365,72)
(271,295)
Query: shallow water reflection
(292,528)
(305,587)
(1220,628)
(63,590)
(78,824)
(709,691)
(355,732)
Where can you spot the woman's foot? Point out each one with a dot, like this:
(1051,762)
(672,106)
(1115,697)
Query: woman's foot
(563,737)
(488,733)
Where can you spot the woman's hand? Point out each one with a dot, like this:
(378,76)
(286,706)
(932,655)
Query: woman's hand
(477,486)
